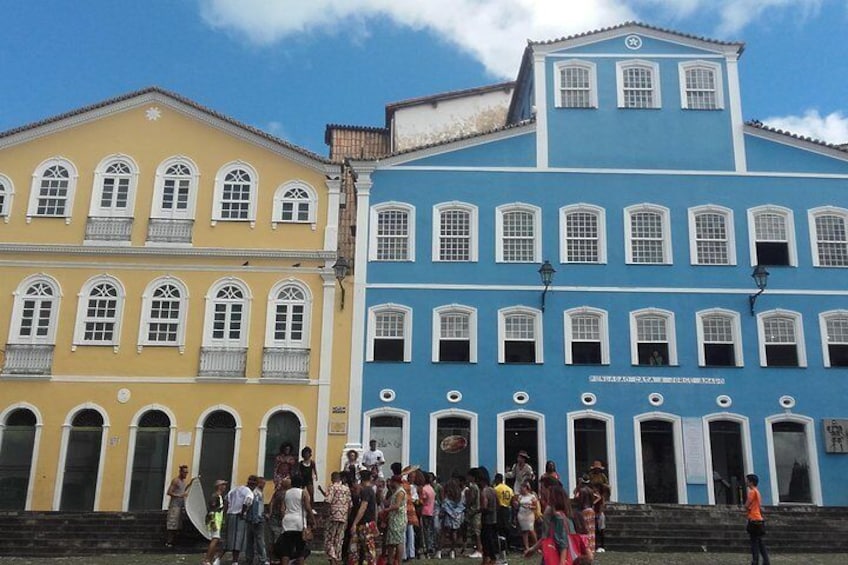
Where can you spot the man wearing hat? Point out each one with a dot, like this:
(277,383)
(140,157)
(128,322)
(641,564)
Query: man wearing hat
(177,491)
(597,477)
(521,472)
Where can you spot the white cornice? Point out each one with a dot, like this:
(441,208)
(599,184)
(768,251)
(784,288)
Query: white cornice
(41,264)
(624,31)
(100,250)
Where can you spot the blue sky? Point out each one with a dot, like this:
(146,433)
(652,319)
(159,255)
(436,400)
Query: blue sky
(292,66)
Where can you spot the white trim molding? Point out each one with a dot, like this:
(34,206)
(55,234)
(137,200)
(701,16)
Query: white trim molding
(612,463)
(656,85)
(406,422)
(789,224)
(473,433)
(198,438)
(729,234)
(537,230)
(541,435)
(838,214)
(130,461)
(603,328)
(469,311)
(295,193)
(7,192)
(824,318)
(798,324)
(747,452)
(665,219)
(63,452)
(36,443)
(252,181)
(600,215)
(377,309)
(70,188)
(812,453)
(670,330)
(374,236)
(212,300)
(718,84)
(736,325)
(473,239)
(96,208)
(538,326)
(271,314)
(590,68)
(677,430)
(20,295)
(83,299)
(174,211)
(263,433)
(146,305)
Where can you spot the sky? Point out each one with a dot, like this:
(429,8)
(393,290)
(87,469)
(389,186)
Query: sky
(290,67)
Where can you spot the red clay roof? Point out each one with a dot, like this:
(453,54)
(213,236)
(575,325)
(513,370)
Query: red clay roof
(760,125)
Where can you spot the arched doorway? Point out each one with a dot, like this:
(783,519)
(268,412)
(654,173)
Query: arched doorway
(150,461)
(17,445)
(217,449)
(283,427)
(792,462)
(453,446)
(728,461)
(660,462)
(521,434)
(388,431)
(590,444)
(82,461)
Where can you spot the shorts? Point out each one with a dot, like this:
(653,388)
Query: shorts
(236,532)
(489,540)
(290,544)
(474,524)
(214,521)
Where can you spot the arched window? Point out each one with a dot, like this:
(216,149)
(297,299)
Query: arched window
(164,310)
(518,231)
(638,84)
(834,335)
(295,203)
(227,310)
(18,432)
(781,339)
(35,312)
(389,333)
(176,189)
(829,236)
(392,232)
(586,337)
(454,232)
(236,188)
(289,315)
(7,193)
(99,312)
(701,86)
(647,231)
(719,338)
(582,232)
(652,336)
(711,239)
(576,84)
(150,461)
(81,480)
(53,186)
(771,231)
(455,334)
(113,194)
(520,335)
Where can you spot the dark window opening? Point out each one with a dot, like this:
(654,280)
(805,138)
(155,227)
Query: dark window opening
(586,353)
(388,349)
(719,355)
(652,353)
(773,253)
(454,351)
(781,355)
(16,459)
(519,352)
(838,355)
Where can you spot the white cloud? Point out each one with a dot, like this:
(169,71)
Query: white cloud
(492,31)
(832,128)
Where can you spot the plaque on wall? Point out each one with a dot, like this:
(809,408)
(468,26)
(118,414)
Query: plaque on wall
(835,435)
(694,454)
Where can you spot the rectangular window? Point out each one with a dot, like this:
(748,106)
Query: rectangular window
(519,237)
(831,241)
(575,87)
(175,194)
(711,239)
(99,319)
(115,193)
(295,211)
(586,340)
(638,87)
(288,322)
(581,237)
(837,341)
(455,338)
(35,318)
(652,340)
(701,89)
(519,339)
(455,235)
(393,235)
(719,345)
(772,240)
(647,237)
(235,201)
(389,339)
(780,342)
(52,197)
(164,321)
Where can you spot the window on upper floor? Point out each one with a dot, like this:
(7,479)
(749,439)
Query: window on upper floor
(175,190)
(781,339)
(828,236)
(53,187)
(113,193)
(392,232)
(647,230)
(454,334)
(35,311)
(227,311)
(389,333)
(711,240)
(638,84)
(719,338)
(295,202)
(164,311)
(653,340)
(7,192)
(520,335)
(518,229)
(236,186)
(586,337)
(289,313)
(576,84)
(99,312)
(454,232)
(834,327)
(701,86)
(771,231)
(582,230)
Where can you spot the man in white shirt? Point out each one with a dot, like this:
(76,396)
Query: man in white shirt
(373,459)
(239,501)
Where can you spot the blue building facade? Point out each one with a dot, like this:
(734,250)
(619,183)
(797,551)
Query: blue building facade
(626,164)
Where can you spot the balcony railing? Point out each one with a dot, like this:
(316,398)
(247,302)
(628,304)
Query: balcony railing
(161,230)
(285,363)
(28,359)
(108,229)
(222,362)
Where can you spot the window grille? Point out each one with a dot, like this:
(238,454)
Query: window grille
(711,239)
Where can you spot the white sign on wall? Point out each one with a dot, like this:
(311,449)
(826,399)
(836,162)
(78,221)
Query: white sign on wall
(694,453)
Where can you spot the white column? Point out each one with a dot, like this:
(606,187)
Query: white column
(541,103)
(736,123)
(325,375)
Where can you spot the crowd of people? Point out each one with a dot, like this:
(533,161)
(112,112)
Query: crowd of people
(380,514)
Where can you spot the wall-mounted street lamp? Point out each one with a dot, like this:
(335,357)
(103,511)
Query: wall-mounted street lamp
(341,269)
(546,271)
(760,276)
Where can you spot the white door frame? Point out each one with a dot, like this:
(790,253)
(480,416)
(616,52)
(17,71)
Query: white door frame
(63,452)
(541,441)
(263,434)
(198,438)
(812,453)
(36,441)
(747,453)
(677,430)
(612,466)
(125,503)
(405,417)
(453,413)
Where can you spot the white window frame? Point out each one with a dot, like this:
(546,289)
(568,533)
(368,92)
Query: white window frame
(473,240)
(209,316)
(82,307)
(670,329)
(537,329)
(729,228)
(376,210)
(156,210)
(407,329)
(600,214)
(812,452)
(146,300)
(593,83)
(603,322)
(18,306)
(537,230)
(95,209)
(814,213)
(35,189)
(717,80)
(800,342)
(8,192)
(280,199)
(621,66)
(788,216)
(737,334)
(668,257)
(680,471)
(218,202)
(823,319)
(271,315)
(472,329)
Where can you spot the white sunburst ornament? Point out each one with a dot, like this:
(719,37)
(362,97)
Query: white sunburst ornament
(153,113)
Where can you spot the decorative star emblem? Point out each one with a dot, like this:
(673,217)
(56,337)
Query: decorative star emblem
(633,42)
(153,113)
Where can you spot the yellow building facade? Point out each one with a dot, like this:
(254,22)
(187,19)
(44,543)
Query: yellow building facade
(167,297)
